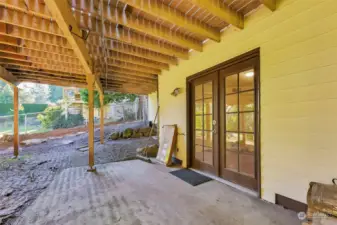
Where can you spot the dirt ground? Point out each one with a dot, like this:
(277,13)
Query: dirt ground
(23,179)
(54,133)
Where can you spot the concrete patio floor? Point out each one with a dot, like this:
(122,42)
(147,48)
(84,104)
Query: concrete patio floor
(135,192)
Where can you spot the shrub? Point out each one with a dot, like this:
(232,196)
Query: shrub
(72,121)
(50,117)
(53,118)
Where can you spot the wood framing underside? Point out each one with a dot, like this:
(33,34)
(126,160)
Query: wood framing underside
(125,44)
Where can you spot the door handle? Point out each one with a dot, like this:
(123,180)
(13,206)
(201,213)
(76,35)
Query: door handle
(214,129)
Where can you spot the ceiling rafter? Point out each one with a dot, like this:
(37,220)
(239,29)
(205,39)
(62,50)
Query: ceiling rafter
(41,25)
(270,4)
(115,16)
(98,53)
(222,11)
(21,19)
(159,10)
(32,54)
(37,46)
(7,76)
(42,61)
(17,61)
(113,31)
(130,49)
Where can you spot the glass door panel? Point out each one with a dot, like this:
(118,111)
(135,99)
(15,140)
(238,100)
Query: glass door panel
(239,115)
(204,123)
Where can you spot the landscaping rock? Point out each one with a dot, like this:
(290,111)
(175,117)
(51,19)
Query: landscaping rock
(127,133)
(114,136)
(145,130)
(136,135)
(6,138)
(33,141)
(150,151)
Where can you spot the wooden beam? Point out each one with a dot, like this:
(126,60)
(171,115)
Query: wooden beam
(98,53)
(31,7)
(67,67)
(130,72)
(223,12)
(132,66)
(62,13)
(49,82)
(270,4)
(136,39)
(91,123)
(33,35)
(38,54)
(24,69)
(101,99)
(141,25)
(21,19)
(67,23)
(35,64)
(37,46)
(16,120)
(170,15)
(7,76)
(130,49)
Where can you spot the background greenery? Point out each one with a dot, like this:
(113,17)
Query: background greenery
(113,97)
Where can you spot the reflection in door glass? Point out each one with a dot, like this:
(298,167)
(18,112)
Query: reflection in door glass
(247,101)
(246,80)
(231,84)
(198,92)
(204,122)
(199,152)
(208,155)
(232,160)
(240,122)
(208,90)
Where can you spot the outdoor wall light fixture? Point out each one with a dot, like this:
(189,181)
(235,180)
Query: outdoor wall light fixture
(249,74)
(176,91)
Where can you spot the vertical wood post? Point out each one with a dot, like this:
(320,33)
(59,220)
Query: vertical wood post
(91,123)
(101,98)
(16,120)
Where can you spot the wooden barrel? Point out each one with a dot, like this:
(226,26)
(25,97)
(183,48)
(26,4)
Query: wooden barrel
(323,198)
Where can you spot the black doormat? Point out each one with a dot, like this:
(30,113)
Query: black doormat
(191,177)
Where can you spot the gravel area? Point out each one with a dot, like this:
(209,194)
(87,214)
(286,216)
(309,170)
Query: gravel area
(23,179)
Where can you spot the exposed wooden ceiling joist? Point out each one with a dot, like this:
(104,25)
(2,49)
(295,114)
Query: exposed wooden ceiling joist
(98,53)
(67,23)
(7,76)
(270,4)
(222,11)
(20,62)
(165,13)
(130,49)
(141,25)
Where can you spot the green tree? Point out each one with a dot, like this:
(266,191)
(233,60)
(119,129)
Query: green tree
(114,97)
(56,93)
(6,93)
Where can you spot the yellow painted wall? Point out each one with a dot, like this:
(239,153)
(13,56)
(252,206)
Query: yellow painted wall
(298,45)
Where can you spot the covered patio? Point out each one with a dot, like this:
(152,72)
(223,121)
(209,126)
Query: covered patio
(101,45)
(135,192)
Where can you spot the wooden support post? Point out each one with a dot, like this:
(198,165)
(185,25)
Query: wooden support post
(91,123)
(101,98)
(16,120)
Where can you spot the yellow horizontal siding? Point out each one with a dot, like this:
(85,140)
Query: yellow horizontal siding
(298,44)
